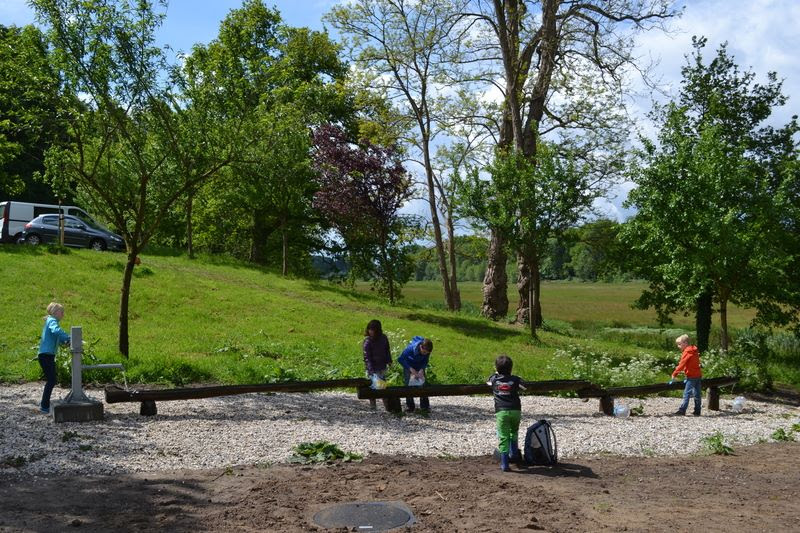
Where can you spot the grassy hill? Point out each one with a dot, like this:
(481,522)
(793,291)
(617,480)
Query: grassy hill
(215,320)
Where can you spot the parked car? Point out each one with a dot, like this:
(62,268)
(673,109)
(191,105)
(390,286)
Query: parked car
(77,232)
(14,215)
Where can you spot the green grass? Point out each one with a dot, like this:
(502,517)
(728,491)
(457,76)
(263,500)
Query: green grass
(213,319)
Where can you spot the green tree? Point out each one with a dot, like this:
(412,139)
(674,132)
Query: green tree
(594,250)
(31,117)
(135,146)
(530,204)
(717,199)
(286,80)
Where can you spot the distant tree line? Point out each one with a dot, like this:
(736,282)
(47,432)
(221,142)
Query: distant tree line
(589,252)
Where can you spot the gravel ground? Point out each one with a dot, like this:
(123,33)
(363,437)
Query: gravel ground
(263,428)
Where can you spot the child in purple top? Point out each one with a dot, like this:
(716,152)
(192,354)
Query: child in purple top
(377,356)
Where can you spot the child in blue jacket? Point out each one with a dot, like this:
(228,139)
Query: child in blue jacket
(414,361)
(52,336)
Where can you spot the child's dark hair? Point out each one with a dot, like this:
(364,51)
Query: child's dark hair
(427,344)
(503,364)
(374,325)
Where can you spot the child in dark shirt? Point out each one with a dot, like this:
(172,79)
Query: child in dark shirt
(377,355)
(507,408)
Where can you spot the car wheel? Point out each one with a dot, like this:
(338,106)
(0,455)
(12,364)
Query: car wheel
(98,244)
(33,239)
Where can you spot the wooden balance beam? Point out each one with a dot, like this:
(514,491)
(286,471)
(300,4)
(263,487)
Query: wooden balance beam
(149,397)
(607,395)
(393,395)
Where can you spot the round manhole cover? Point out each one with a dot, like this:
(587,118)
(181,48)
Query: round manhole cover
(365,516)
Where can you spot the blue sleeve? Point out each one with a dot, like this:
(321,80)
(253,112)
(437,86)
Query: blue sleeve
(407,353)
(61,336)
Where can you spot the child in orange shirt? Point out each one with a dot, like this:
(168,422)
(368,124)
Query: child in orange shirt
(690,366)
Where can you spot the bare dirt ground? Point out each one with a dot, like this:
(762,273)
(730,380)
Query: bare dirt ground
(757,489)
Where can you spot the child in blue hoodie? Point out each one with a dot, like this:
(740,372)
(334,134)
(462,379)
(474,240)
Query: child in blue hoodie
(52,336)
(414,361)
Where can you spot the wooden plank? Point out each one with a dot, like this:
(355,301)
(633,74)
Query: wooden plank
(640,390)
(531,387)
(116,394)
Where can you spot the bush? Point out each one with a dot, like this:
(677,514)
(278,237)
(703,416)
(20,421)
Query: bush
(747,360)
(715,444)
(321,452)
(600,367)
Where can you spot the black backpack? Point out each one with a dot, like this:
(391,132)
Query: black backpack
(540,444)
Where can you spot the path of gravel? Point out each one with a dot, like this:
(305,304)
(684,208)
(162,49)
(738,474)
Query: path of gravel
(263,428)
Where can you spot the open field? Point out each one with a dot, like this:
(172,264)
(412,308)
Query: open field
(572,301)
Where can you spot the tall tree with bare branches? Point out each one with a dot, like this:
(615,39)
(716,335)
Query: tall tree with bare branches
(403,44)
(562,71)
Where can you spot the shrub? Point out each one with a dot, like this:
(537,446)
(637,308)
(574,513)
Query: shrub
(746,360)
(601,369)
(781,434)
(321,452)
(715,444)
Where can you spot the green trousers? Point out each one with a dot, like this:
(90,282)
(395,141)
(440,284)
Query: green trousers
(507,428)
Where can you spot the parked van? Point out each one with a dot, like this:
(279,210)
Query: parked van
(14,216)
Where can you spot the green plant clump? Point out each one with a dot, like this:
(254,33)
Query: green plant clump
(638,410)
(781,434)
(604,369)
(715,444)
(321,451)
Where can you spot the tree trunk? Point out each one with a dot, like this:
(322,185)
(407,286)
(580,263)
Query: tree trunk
(536,291)
(387,268)
(495,282)
(524,290)
(451,249)
(529,288)
(702,320)
(723,324)
(123,304)
(189,229)
(284,249)
(437,230)
(261,232)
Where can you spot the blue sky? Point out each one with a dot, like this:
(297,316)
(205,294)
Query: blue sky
(762,36)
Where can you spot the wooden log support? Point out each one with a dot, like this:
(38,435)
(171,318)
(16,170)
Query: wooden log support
(713,398)
(607,405)
(148,408)
(393,405)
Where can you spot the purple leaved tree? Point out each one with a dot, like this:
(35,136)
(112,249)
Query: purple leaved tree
(361,190)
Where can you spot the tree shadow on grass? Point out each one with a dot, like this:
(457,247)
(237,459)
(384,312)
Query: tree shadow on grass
(345,292)
(471,327)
